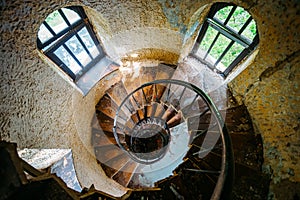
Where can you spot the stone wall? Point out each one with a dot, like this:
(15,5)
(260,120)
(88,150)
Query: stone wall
(39,107)
(269,87)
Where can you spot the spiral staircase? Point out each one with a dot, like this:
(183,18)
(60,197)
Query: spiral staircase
(161,138)
(165,138)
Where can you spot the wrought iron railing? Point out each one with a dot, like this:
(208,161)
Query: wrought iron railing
(146,118)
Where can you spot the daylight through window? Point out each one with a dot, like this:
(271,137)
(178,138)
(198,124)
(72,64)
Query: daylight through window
(227,36)
(66,37)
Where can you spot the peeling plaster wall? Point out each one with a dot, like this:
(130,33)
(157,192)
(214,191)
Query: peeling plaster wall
(269,87)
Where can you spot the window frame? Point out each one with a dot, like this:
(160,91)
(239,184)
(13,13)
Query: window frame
(228,32)
(60,39)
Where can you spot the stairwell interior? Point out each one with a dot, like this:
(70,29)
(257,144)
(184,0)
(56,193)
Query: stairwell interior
(129,142)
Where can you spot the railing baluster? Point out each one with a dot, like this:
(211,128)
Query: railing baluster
(155,126)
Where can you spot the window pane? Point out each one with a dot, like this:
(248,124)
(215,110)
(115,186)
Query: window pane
(56,22)
(44,34)
(78,50)
(71,15)
(219,48)
(250,30)
(206,41)
(67,59)
(233,52)
(238,19)
(223,13)
(89,43)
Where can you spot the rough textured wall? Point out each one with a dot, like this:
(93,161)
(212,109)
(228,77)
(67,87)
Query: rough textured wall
(32,94)
(270,87)
(36,103)
(38,106)
(128,26)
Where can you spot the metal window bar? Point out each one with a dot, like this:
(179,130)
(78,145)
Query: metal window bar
(66,69)
(94,38)
(228,32)
(245,25)
(84,46)
(77,36)
(218,34)
(230,14)
(62,39)
(78,10)
(64,17)
(242,55)
(73,56)
(203,29)
(49,28)
(211,45)
(64,35)
(224,52)
(232,42)
(60,34)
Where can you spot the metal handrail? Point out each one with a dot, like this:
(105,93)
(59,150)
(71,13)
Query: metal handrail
(224,183)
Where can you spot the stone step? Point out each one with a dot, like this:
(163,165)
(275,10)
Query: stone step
(173,188)
(238,119)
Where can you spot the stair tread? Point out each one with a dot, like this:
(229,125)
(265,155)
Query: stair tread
(175,120)
(165,71)
(210,161)
(248,150)
(158,110)
(117,92)
(194,107)
(114,164)
(107,106)
(101,138)
(173,188)
(169,113)
(250,183)
(174,104)
(124,175)
(194,179)
(105,153)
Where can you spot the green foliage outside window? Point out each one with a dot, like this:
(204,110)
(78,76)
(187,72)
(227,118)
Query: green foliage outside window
(237,20)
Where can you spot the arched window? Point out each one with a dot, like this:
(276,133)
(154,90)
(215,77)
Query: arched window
(66,37)
(227,36)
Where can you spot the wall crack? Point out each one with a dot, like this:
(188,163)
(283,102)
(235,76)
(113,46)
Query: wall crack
(278,65)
